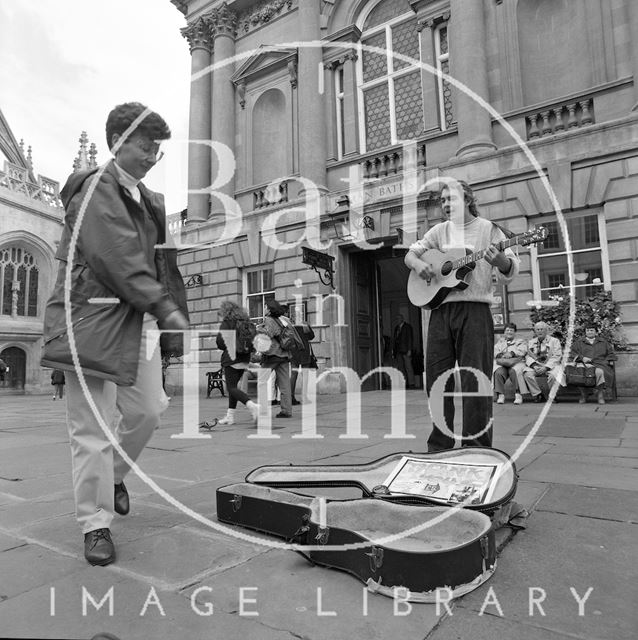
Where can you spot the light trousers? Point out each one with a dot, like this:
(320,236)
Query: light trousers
(130,413)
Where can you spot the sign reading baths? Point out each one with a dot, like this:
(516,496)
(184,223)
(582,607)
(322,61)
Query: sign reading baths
(379,189)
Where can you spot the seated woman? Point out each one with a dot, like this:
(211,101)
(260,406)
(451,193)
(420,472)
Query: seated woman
(594,351)
(509,362)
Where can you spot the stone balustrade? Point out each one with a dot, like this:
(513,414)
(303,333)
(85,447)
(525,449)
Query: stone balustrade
(389,162)
(16,178)
(558,118)
(270,195)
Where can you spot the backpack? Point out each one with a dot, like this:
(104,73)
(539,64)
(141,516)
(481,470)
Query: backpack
(289,338)
(245,332)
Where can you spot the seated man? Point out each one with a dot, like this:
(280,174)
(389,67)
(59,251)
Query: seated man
(509,362)
(594,351)
(543,357)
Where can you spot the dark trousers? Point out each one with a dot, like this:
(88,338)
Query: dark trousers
(461,332)
(233,376)
(501,376)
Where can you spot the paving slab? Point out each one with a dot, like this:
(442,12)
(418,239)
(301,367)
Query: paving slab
(8,541)
(580,427)
(30,488)
(564,469)
(462,625)
(139,611)
(28,566)
(587,442)
(592,502)
(15,516)
(569,446)
(315,602)
(186,555)
(557,553)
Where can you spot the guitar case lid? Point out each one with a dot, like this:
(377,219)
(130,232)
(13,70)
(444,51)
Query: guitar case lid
(476,478)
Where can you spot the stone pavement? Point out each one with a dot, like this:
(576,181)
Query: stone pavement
(177,577)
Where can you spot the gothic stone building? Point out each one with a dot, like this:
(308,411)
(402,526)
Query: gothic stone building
(329,122)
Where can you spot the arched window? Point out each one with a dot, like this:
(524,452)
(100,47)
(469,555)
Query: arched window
(269,137)
(390,91)
(19,277)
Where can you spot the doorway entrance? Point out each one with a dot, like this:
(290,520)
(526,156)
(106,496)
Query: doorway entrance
(15,375)
(379,285)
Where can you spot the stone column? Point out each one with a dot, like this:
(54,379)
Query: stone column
(223,26)
(633,29)
(199,120)
(312,129)
(468,65)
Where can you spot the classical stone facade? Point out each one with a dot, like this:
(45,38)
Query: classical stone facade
(314,126)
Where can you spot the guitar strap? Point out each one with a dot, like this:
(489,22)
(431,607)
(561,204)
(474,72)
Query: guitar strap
(507,232)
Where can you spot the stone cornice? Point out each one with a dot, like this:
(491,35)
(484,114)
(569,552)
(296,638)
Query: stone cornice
(262,13)
(198,35)
(180,5)
(222,21)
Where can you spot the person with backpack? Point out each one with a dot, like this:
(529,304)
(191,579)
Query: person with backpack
(58,380)
(283,340)
(234,317)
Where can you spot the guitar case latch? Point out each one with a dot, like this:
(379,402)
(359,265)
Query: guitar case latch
(236,502)
(375,556)
(322,535)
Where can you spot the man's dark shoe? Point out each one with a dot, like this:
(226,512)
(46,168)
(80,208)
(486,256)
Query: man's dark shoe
(274,402)
(98,547)
(539,398)
(120,499)
(295,401)
(281,414)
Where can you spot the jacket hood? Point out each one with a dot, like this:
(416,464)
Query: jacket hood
(73,185)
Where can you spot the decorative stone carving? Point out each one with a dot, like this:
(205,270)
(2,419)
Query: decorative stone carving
(432,21)
(241,92)
(341,60)
(292,72)
(197,35)
(262,13)
(222,21)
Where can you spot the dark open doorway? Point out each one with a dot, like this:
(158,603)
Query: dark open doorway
(379,294)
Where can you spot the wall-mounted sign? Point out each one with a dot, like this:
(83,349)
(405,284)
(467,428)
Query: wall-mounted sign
(319,262)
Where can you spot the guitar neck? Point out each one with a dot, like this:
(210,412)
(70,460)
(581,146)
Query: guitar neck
(479,255)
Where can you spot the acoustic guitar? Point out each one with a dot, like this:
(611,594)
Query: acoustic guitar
(453,269)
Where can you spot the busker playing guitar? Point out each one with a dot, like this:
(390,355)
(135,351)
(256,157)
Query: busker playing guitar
(461,329)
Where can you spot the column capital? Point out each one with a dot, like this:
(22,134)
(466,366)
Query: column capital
(197,35)
(222,21)
(433,20)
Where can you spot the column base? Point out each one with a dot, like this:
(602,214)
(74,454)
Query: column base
(475,147)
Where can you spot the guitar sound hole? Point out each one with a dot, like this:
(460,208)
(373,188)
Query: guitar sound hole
(446,269)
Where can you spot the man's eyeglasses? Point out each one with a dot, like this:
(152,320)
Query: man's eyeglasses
(150,150)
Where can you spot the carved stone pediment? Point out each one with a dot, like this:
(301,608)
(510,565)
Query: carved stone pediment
(264,62)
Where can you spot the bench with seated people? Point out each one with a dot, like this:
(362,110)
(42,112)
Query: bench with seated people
(539,370)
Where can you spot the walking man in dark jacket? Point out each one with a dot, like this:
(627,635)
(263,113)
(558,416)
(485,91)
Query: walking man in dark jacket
(117,279)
